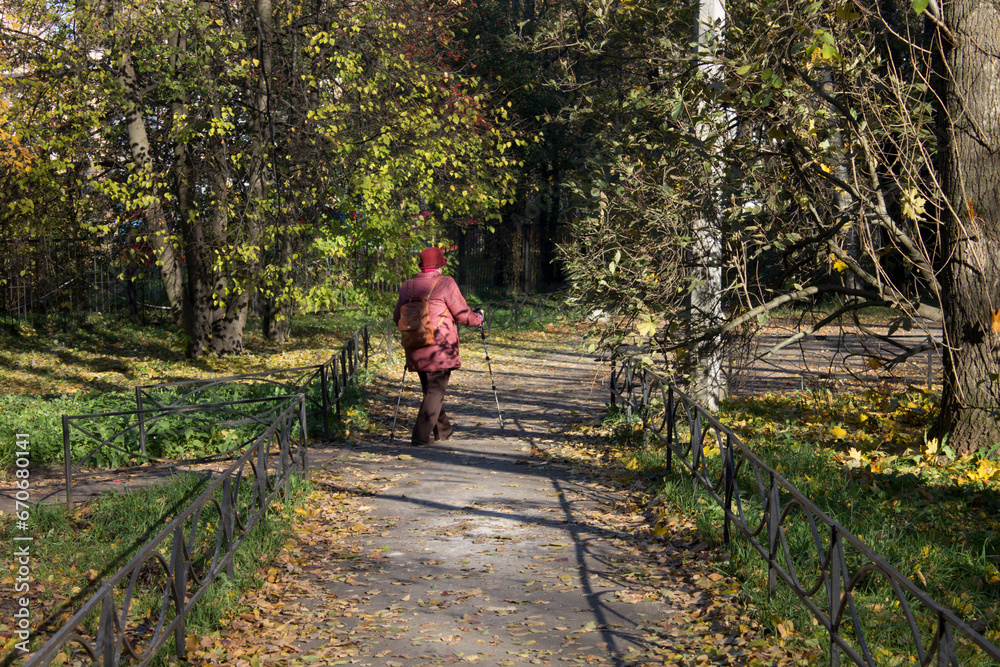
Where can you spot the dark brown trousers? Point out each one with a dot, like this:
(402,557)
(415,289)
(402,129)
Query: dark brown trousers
(432,417)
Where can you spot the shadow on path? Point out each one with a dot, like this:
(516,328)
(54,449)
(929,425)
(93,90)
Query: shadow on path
(483,549)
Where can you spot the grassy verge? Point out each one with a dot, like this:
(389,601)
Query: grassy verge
(73,552)
(95,368)
(863,460)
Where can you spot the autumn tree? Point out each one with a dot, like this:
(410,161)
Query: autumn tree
(253,137)
(856,145)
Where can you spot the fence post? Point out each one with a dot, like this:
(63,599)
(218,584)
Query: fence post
(773,516)
(696,450)
(729,473)
(945,643)
(671,426)
(336,389)
(68,461)
(302,436)
(367,346)
(325,387)
(284,456)
(629,386)
(142,421)
(228,522)
(358,348)
(179,571)
(105,645)
(343,368)
(833,588)
(262,445)
(611,381)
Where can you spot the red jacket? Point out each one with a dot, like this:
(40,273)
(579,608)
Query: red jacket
(445,301)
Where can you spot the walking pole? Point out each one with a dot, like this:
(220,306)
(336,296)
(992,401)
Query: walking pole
(398,398)
(482,332)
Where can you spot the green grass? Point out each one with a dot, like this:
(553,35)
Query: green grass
(95,368)
(74,551)
(861,459)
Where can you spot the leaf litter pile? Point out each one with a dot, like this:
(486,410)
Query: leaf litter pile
(537,548)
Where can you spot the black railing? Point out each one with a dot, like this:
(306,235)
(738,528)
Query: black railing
(125,436)
(109,437)
(128,434)
(333,377)
(830,570)
(183,559)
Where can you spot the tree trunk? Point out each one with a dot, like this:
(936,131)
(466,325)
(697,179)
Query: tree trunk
(158,233)
(549,256)
(708,385)
(277,318)
(189,222)
(227,330)
(971,174)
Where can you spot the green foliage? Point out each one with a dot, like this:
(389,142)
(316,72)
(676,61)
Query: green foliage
(625,431)
(289,153)
(792,159)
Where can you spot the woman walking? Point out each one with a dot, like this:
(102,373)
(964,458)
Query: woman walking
(446,308)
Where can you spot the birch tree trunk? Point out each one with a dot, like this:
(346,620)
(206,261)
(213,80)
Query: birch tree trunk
(708,385)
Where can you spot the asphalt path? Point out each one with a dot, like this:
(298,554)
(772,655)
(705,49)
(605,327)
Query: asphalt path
(490,547)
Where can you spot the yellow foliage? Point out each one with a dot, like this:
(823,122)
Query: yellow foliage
(13,156)
(985,472)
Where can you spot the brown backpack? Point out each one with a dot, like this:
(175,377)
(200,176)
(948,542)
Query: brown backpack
(415,320)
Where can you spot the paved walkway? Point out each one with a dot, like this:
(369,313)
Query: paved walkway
(516,550)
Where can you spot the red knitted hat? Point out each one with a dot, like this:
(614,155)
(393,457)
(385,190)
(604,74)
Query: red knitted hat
(432,258)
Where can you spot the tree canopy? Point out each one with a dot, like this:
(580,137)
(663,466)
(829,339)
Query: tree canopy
(249,141)
(835,155)
(842,151)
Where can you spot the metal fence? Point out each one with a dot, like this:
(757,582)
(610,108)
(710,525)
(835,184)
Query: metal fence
(58,280)
(323,385)
(109,438)
(247,486)
(509,260)
(145,604)
(829,569)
